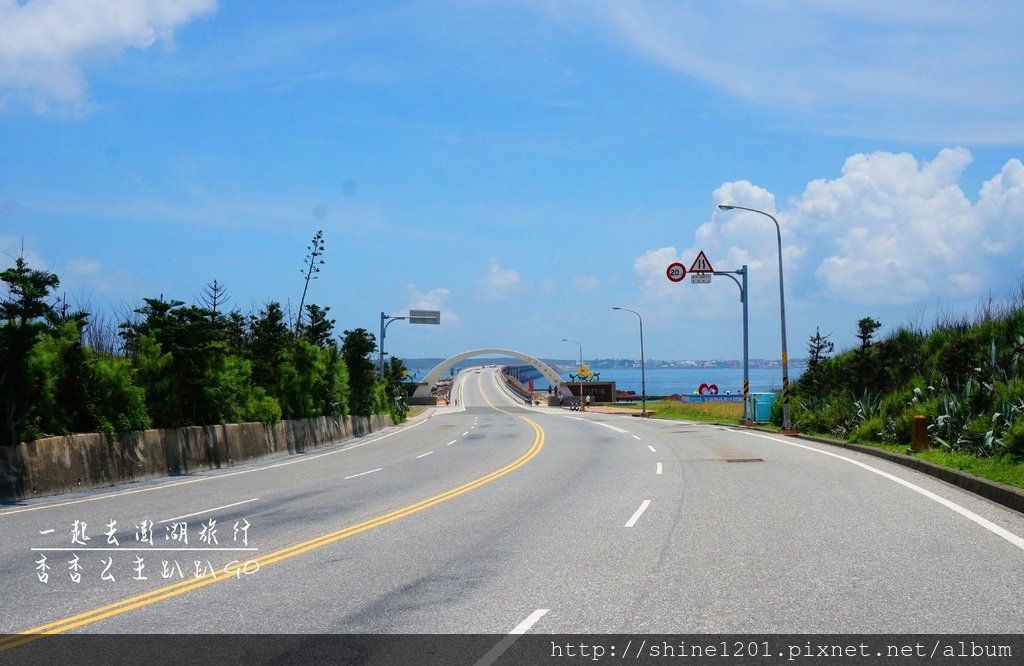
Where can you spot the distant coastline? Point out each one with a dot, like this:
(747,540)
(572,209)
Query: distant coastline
(613,363)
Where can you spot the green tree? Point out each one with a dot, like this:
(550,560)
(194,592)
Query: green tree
(182,358)
(24,314)
(394,381)
(819,350)
(334,395)
(62,374)
(357,347)
(866,329)
(154,373)
(867,376)
(120,404)
(319,330)
(268,342)
(27,290)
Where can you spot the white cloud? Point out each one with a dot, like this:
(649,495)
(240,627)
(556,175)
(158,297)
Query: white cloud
(896,230)
(1001,207)
(44,44)
(651,268)
(499,283)
(873,67)
(890,230)
(431,300)
(681,302)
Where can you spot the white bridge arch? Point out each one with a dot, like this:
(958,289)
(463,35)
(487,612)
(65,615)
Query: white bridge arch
(423,390)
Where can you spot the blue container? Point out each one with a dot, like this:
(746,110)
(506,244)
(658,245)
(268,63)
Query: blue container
(762,406)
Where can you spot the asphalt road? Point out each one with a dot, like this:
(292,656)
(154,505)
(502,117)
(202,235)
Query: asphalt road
(491,515)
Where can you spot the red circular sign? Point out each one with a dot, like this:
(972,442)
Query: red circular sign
(676,271)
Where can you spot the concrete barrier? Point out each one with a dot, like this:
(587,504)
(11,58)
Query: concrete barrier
(55,465)
(141,456)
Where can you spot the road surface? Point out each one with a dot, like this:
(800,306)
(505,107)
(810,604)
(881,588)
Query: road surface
(491,516)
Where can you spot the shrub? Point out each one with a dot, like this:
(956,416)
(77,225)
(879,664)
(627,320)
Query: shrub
(120,404)
(1013,440)
(869,430)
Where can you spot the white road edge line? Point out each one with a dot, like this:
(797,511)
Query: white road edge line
(423,455)
(199,513)
(639,512)
(659,469)
(506,642)
(949,504)
(362,474)
(603,425)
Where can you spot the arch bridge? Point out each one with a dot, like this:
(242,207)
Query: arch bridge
(425,387)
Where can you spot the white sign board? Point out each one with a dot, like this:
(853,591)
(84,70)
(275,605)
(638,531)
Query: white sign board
(700,278)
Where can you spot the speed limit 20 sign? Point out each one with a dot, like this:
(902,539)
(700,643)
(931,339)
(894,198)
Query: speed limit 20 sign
(676,272)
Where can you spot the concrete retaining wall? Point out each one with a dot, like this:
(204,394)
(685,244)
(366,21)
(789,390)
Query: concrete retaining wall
(55,465)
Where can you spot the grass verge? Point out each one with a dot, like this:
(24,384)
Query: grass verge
(1003,470)
(712,412)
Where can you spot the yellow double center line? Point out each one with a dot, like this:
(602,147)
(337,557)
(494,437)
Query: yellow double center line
(182,587)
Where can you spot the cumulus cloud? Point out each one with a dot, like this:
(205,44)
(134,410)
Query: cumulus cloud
(499,283)
(650,267)
(894,229)
(1001,209)
(44,44)
(889,230)
(431,300)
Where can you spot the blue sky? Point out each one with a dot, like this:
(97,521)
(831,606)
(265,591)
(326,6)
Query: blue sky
(522,166)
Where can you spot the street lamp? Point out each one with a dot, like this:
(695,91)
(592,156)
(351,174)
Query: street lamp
(415,317)
(582,409)
(787,424)
(643,378)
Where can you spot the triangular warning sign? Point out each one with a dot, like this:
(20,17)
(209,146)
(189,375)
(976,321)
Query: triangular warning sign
(701,264)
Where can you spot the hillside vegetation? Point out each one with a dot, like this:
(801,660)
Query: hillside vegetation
(965,376)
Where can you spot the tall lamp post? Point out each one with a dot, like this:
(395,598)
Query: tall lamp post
(643,377)
(787,423)
(582,409)
(385,321)
(415,317)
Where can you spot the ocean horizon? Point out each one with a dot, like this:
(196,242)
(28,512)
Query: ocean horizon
(667,381)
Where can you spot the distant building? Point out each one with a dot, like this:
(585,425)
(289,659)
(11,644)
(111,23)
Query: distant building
(598,391)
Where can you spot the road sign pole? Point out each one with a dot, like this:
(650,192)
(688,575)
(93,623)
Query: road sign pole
(787,423)
(746,337)
(383,332)
(415,317)
(746,349)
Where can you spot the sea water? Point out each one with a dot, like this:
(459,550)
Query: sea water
(666,381)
